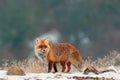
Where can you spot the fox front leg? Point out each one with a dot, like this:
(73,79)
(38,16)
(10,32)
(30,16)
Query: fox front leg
(55,67)
(52,65)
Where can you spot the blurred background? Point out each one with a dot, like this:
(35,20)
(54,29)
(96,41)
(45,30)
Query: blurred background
(92,26)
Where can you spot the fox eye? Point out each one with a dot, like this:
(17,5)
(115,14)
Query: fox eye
(39,46)
(43,46)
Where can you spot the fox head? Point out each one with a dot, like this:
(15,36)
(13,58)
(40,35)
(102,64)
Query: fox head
(42,46)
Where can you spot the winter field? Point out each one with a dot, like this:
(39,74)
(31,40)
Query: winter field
(35,70)
(61,76)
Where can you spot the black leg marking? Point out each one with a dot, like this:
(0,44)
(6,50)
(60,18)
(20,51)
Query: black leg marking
(55,67)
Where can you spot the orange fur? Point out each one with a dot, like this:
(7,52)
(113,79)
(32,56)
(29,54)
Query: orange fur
(64,53)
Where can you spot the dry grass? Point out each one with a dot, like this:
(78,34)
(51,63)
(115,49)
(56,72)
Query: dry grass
(111,59)
(36,66)
(28,65)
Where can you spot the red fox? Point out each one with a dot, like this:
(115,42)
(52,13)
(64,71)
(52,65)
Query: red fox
(63,53)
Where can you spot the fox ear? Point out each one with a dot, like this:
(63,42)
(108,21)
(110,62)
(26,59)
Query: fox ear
(47,40)
(37,40)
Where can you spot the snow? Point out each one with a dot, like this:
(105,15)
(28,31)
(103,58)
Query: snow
(59,75)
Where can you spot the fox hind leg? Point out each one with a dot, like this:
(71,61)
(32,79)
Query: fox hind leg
(63,63)
(69,66)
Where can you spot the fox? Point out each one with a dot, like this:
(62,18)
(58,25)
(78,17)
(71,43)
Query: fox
(63,53)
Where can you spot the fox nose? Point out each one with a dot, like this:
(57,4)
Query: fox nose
(43,50)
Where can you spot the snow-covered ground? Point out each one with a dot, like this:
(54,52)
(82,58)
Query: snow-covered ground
(59,76)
